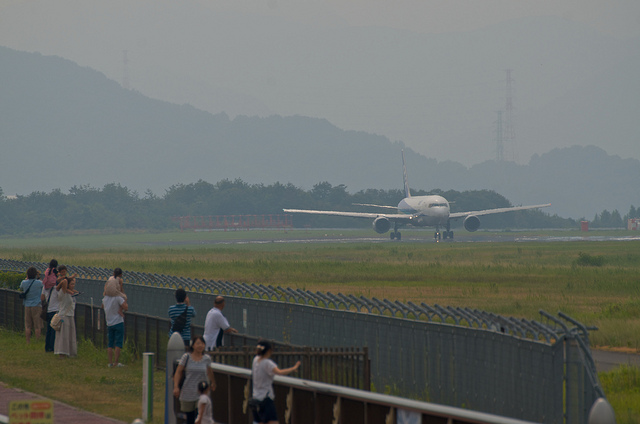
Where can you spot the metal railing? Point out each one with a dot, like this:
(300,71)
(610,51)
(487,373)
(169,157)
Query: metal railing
(300,401)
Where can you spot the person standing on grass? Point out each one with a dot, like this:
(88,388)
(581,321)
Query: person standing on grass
(66,342)
(114,309)
(182,307)
(215,325)
(32,287)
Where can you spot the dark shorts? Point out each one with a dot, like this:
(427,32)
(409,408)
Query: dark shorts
(116,335)
(266,412)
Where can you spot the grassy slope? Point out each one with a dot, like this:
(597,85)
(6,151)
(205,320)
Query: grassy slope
(84,382)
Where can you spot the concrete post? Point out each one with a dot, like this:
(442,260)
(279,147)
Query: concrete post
(601,413)
(175,350)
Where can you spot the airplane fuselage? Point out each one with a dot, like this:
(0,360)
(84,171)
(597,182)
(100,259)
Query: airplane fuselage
(428,211)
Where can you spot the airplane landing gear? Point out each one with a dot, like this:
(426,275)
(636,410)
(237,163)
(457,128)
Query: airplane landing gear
(395,234)
(437,236)
(448,233)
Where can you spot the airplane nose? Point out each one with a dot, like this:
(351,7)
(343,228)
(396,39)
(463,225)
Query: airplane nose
(442,212)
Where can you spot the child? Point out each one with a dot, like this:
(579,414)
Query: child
(205,413)
(115,285)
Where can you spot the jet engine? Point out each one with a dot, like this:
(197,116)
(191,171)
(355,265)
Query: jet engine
(471,223)
(381,225)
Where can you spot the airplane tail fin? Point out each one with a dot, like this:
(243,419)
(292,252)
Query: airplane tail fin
(407,193)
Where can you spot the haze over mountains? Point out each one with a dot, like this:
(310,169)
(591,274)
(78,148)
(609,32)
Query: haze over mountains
(63,125)
(435,89)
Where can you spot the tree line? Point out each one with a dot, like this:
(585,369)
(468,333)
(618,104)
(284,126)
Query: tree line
(613,219)
(117,207)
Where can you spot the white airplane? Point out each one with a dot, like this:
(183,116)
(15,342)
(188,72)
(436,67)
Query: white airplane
(418,211)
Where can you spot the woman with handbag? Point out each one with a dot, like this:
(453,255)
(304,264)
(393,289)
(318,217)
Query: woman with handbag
(194,366)
(262,372)
(66,343)
(31,288)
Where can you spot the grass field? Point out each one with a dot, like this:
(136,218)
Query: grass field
(596,282)
(592,278)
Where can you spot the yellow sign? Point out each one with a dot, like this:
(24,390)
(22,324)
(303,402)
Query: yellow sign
(31,412)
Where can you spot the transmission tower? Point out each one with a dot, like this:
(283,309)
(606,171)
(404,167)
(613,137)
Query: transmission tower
(499,141)
(125,70)
(509,133)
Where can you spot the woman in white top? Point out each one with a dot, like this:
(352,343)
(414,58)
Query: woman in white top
(262,372)
(66,343)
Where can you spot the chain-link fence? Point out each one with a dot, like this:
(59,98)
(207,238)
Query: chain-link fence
(533,370)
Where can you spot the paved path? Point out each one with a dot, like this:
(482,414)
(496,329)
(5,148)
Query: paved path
(606,361)
(62,413)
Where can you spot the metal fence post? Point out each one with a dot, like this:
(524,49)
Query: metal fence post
(147,386)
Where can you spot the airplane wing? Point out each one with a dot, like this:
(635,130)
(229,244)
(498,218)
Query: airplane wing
(493,211)
(390,216)
(376,206)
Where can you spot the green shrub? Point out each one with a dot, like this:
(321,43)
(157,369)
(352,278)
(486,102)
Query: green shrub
(11,279)
(585,259)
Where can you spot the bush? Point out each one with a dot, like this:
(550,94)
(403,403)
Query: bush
(585,259)
(11,279)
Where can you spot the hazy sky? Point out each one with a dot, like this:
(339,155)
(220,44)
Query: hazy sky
(620,18)
(427,82)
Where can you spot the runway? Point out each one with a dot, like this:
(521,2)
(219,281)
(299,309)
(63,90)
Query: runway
(413,236)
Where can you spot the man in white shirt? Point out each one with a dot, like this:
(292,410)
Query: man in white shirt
(215,325)
(114,308)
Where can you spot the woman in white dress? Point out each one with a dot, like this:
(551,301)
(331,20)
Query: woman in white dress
(66,343)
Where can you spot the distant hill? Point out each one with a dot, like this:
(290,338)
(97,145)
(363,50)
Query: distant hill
(63,125)
(437,92)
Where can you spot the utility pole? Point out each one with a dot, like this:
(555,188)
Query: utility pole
(509,133)
(499,142)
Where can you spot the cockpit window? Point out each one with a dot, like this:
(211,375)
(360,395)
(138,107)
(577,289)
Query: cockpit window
(433,205)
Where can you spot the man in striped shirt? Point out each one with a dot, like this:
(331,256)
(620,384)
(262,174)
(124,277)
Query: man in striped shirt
(178,309)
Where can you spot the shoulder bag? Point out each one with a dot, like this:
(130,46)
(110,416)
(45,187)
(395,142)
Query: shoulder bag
(181,321)
(254,404)
(56,322)
(184,372)
(24,294)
